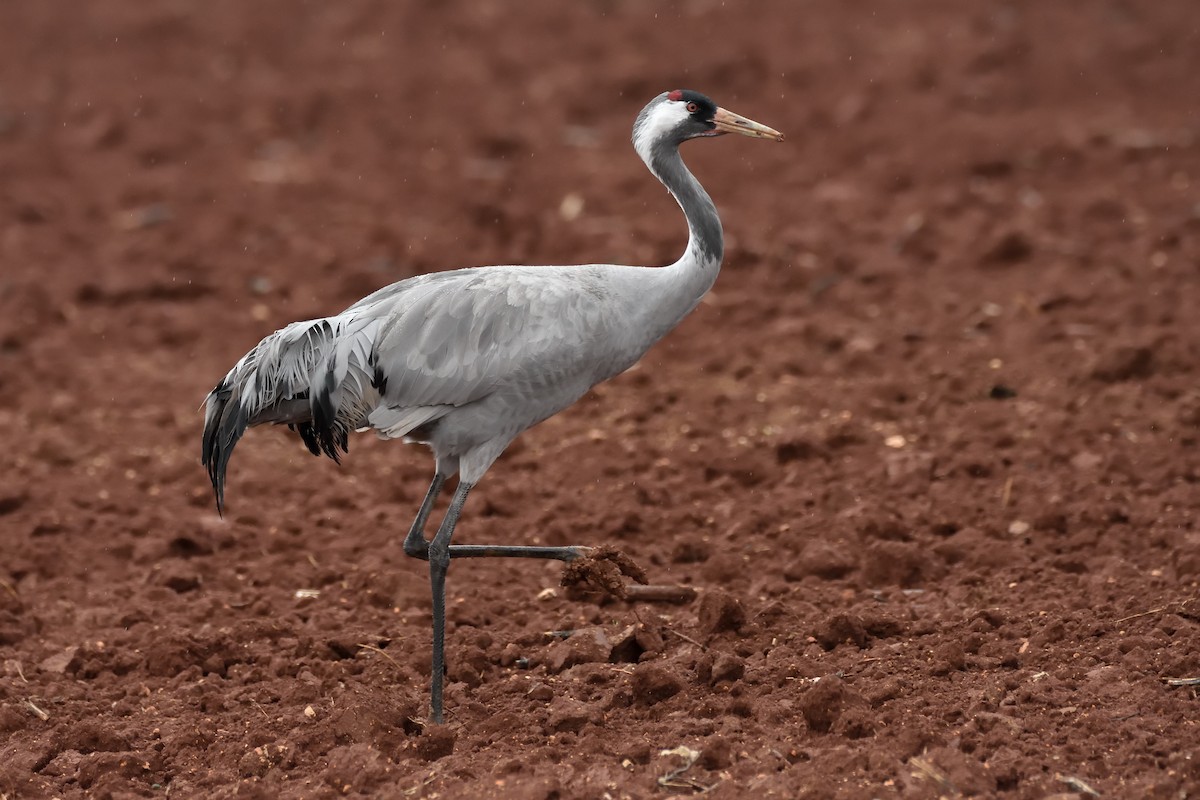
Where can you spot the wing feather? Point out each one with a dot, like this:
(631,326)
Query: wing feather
(453,342)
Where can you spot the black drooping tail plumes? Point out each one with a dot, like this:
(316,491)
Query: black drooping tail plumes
(296,377)
(225,421)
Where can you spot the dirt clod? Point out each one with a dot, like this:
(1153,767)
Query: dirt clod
(436,742)
(720,611)
(603,570)
(654,682)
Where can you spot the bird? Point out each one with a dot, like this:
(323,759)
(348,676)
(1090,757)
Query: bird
(466,360)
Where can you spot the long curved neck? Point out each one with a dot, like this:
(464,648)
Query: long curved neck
(706,240)
(689,278)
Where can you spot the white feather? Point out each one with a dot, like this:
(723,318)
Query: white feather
(661,116)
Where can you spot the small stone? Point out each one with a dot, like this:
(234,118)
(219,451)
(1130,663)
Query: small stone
(510,655)
(1019,528)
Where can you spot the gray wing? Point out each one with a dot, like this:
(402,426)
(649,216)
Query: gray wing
(455,339)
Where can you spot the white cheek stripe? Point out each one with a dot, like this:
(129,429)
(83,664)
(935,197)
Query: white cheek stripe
(665,116)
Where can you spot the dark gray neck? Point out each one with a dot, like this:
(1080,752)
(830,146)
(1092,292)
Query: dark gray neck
(706,242)
(676,289)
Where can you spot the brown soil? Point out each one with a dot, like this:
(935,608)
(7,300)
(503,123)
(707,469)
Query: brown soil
(928,453)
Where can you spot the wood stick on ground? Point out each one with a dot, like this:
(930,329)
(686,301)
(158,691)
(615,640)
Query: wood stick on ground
(42,715)
(659,593)
(1183,681)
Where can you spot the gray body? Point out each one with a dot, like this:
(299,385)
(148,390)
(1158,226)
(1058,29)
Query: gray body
(466,360)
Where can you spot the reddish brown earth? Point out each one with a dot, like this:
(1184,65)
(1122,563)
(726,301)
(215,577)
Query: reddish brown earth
(928,452)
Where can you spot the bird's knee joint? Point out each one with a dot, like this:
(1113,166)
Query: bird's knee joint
(416,548)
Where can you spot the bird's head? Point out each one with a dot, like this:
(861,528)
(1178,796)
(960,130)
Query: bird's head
(676,116)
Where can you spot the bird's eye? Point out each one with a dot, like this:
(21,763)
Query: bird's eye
(692,108)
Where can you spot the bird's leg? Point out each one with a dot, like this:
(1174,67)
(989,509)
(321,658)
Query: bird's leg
(439,552)
(517,551)
(415,544)
(439,561)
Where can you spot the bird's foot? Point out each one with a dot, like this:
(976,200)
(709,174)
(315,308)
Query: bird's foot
(420,549)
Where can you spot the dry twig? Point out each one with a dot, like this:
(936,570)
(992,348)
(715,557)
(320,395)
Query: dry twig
(42,715)
(375,649)
(1183,681)
(1178,607)
(688,639)
(660,593)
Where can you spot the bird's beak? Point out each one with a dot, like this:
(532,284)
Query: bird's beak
(729,122)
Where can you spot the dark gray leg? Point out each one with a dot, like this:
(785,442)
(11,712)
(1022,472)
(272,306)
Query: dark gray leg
(415,544)
(438,553)
(439,561)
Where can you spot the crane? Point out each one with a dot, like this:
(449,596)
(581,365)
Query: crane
(466,360)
